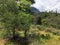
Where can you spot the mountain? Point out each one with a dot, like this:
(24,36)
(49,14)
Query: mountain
(34,10)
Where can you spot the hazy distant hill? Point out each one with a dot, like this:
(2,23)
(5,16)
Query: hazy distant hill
(34,10)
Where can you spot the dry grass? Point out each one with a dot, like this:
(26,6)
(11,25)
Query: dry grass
(52,42)
(2,41)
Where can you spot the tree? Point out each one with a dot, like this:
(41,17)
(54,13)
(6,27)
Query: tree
(15,15)
(24,22)
(8,13)
(26,17)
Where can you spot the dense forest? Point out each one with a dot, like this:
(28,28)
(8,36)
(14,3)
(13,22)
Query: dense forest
(19,25)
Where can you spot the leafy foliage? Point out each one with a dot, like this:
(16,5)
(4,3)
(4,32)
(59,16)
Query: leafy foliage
(13,18)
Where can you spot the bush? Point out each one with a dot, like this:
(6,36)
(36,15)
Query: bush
(5,34)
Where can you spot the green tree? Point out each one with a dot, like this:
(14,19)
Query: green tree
(15,15)
(24,15)
(24,22)
(8,13)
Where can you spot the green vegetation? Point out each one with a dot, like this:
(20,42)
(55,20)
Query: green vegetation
(13,18)
(18,26)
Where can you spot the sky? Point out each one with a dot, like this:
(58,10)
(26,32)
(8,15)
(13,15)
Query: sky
(47,5)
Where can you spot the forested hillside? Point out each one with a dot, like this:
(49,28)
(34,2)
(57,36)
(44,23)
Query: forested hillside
(50,19)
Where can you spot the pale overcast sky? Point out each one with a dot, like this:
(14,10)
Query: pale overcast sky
(48,5)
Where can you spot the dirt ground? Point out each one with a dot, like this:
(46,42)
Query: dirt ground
(2,41)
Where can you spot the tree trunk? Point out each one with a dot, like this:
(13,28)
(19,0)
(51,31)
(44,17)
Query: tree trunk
(25,34)
(13,34)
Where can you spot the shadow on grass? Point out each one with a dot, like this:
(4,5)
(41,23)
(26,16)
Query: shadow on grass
(18,41)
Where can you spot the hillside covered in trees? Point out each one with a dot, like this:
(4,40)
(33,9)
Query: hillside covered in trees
(21,24)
